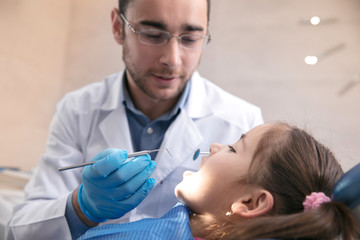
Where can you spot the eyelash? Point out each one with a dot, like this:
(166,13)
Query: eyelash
(231,149)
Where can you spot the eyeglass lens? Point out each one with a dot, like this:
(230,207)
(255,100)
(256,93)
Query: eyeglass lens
(158,37)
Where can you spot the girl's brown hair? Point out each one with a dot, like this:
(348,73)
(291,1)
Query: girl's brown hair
(291,164)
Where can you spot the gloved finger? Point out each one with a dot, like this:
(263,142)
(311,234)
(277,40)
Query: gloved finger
(132,185)
(123,173)
(128,171)
(104,166)
(138,196)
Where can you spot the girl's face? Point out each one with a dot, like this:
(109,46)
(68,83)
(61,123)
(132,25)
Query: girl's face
(216,185)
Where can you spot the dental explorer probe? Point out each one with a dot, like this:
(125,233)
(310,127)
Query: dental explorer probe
(132,155)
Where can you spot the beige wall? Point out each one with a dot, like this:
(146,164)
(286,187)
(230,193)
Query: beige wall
(51,47)
(92,52)
(258,53)
(34,38)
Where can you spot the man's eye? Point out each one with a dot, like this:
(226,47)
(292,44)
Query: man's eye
(189,38)
(232,149)
(153,35)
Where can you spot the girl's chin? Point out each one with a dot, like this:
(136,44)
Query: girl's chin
(177,192)
(183,187)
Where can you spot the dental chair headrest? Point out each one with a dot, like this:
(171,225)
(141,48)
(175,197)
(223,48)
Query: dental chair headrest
(347,189)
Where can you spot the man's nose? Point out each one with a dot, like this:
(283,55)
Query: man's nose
(171,53)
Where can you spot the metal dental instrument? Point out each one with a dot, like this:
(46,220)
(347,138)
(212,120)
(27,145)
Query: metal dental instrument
(132,155)
(197,153)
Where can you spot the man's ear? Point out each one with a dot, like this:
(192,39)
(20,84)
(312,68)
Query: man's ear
(258,203)
(117,28)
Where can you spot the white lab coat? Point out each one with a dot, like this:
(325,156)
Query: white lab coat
(92,119)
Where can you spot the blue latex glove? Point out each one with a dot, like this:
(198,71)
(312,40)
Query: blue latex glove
(110,188)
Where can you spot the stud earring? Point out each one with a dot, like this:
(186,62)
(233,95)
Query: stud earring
(228,213)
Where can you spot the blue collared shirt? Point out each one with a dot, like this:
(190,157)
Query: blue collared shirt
(173,225)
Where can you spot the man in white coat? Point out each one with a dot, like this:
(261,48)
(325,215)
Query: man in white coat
(157,101)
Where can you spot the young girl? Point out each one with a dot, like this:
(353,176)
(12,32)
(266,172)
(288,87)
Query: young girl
(275,182)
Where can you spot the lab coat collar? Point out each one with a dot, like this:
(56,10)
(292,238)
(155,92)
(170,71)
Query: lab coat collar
(198,105)
(115,127)
(115,84)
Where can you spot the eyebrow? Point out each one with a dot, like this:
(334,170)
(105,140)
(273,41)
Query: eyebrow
(153,24)
(243,136)
(193,28)
(162,26)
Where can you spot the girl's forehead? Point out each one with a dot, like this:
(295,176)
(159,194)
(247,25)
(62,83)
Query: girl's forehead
(258,131)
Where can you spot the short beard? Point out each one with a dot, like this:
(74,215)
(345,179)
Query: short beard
(134,73)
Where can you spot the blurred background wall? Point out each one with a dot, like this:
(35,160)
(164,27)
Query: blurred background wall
(48,48)
(34,40)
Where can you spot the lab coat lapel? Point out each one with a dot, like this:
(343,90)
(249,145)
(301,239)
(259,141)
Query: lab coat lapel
(115,130)
(198,105)
(115,127)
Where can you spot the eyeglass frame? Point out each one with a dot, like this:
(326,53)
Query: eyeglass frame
(206,38)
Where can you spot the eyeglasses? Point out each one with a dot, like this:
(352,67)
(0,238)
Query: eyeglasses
(155,37)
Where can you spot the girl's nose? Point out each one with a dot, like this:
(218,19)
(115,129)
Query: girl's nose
(215,147)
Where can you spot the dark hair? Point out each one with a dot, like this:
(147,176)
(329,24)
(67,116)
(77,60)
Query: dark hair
(291,164)
(124,4)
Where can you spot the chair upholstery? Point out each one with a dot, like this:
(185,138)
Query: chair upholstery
(347,190)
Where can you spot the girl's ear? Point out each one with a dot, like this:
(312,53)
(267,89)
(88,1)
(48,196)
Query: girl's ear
(117,27)
(258,203)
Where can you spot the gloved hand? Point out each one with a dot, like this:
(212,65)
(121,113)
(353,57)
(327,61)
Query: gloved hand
(110,188)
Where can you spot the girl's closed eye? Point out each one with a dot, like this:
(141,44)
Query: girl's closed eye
(231,149)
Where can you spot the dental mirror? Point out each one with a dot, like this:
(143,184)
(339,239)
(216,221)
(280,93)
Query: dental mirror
(197,154)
